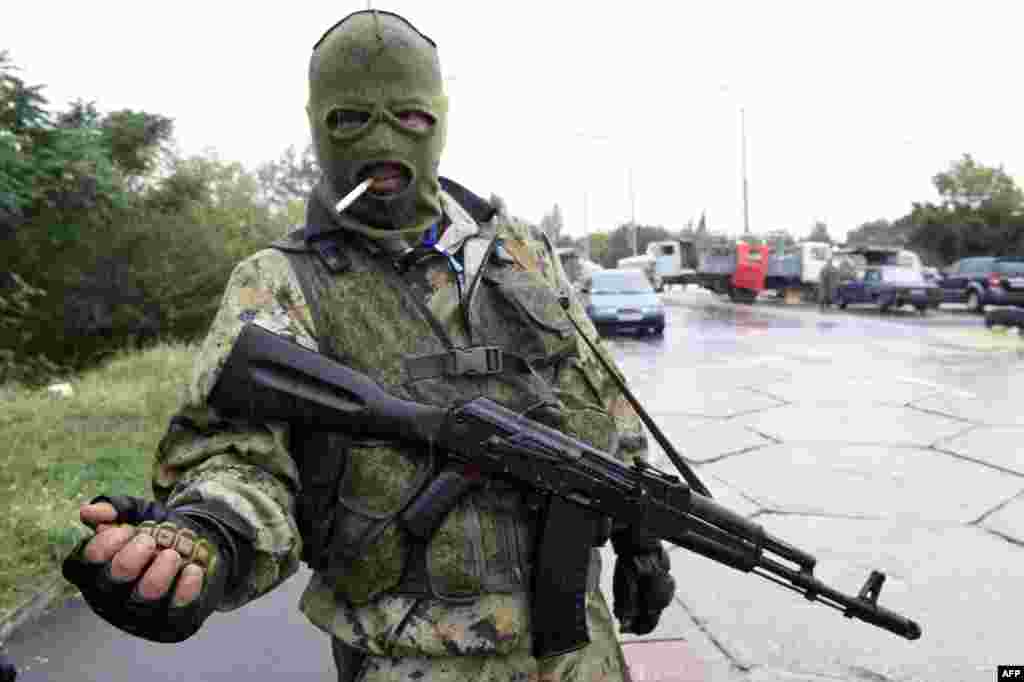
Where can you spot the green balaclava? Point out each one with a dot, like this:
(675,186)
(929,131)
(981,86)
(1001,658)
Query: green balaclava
(365,71)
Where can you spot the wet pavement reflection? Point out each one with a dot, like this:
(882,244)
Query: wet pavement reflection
(885,441)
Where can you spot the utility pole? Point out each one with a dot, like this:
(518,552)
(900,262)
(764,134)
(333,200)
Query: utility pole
(632,208)
(586,228)
(743,151)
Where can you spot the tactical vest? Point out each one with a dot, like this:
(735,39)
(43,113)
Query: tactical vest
(373,318)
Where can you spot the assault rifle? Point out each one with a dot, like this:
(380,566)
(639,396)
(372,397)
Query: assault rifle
(268,377)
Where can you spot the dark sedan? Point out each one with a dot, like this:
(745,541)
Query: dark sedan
(890,286)
(1006,283)
(985,280)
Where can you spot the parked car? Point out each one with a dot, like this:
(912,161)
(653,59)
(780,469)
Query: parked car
(890,286)
(621,300)
(1005,317)
(984,280)
(1006,285)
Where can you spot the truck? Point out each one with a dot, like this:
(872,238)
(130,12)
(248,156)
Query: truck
(737,270)
(884,255)
(798,267)
(666,263)
(854,259)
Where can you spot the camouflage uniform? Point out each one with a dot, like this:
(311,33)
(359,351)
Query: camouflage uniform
(468,619)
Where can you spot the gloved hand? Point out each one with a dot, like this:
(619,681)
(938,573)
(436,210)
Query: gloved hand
(193,553)
(642,584)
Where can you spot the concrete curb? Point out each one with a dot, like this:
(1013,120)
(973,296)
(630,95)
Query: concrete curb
(52,592)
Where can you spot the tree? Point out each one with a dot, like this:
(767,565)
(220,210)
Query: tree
(968,183)
(819,233)
(552,223)
(46,166)
(226,198)
(135,139)
(290,178)
(598,247)
(779,240)
(882,232)
(620,242)
(980,214)
(104,246)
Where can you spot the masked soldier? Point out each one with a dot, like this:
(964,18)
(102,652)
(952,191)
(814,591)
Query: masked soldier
(440,298)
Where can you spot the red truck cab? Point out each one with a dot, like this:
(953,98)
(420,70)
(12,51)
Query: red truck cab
(737,270)
(751,267)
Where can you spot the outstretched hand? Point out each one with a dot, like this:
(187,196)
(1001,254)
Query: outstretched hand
(132,555)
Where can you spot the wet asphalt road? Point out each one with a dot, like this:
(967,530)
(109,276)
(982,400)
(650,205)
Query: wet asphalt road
(886,442)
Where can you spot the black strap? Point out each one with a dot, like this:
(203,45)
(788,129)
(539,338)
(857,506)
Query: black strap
(477,360)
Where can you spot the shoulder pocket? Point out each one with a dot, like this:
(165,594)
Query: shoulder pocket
(519,310)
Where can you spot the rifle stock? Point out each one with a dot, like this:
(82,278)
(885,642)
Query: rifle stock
(268,377)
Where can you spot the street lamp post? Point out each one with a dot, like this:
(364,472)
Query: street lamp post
(743,152)
(586,228)
(632,209)
(632,195)
(725,90)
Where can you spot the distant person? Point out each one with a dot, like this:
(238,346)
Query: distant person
(828,284)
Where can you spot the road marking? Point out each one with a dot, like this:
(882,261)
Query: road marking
(751,362)
(947,389)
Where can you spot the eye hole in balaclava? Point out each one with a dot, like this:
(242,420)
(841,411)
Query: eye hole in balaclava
(415,120)
(346,120)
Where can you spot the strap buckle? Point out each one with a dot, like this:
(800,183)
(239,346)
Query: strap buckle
(478,360)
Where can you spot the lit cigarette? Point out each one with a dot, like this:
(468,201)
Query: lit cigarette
(353,195)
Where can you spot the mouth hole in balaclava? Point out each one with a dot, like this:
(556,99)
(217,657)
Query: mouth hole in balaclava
(390,178)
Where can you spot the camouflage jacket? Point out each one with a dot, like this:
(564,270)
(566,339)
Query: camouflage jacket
(252,466)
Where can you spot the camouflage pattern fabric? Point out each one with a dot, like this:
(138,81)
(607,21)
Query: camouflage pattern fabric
(248,466)
(600,661)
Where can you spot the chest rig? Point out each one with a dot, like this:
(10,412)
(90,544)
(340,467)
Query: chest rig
(425,334)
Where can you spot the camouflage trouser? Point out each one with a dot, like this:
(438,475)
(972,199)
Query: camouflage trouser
(600,660)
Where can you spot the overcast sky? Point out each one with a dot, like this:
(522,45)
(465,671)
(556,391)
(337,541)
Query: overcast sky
(851,107)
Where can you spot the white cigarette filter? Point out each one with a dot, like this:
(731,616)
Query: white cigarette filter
(347,200)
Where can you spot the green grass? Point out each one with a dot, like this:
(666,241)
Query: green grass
(56,454)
